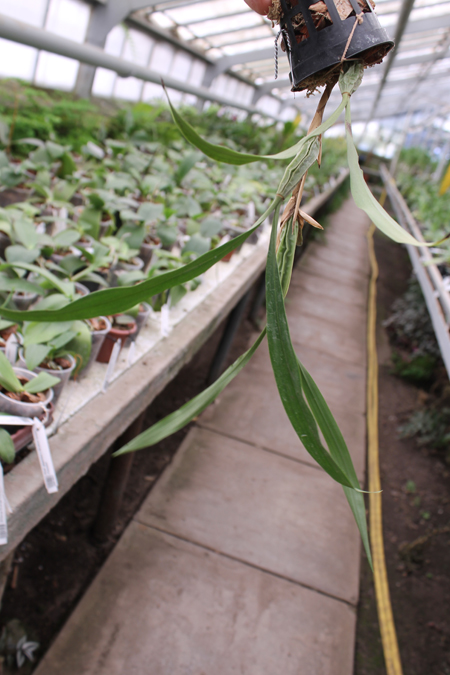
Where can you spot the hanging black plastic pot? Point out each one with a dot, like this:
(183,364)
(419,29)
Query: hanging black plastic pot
(318,35)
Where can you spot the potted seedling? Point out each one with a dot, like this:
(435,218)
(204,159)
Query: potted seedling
(56,348)
(22,392)
(99,329)
(303,402)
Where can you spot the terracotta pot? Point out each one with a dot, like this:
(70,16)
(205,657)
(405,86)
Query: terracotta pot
(112,337)
(21,408)
(228,256)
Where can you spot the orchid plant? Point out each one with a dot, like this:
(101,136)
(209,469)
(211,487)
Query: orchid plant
(305,406)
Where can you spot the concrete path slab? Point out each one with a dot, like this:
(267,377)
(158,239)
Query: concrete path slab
(323,256)
(250,409)
(342,290)
(259,508)
(162,606)
(245,557)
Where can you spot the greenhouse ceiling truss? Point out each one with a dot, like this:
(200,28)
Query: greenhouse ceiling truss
(232,41)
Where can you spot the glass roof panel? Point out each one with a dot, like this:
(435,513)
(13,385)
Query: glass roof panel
(227,29)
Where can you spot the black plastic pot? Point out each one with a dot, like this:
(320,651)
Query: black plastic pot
(316,45)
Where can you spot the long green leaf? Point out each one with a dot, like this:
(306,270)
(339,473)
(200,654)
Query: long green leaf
(287,373)
(118,300)
(365,200)
(8,378)
(222,154)
(7,449)
(41,383)
(338,450)
(178,419)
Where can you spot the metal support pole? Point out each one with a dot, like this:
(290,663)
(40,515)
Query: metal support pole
(233,323)
(103,19)
(115,484)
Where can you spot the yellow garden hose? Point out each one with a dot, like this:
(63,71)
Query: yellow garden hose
(385,616)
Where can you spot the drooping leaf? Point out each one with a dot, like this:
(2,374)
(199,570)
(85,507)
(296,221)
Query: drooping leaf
(8,378)
(286,370)
(339,451)
(178,419)
(117,300)
(7,449)
(365,200)
(222,154)
(41,383)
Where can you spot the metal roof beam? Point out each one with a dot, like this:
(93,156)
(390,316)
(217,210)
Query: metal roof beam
(405,11)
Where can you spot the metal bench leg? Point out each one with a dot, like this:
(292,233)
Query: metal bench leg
(115,484)
(233,323)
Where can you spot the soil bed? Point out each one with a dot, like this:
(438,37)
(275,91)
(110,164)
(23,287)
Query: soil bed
(416,501)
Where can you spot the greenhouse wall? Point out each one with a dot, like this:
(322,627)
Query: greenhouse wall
(70,18)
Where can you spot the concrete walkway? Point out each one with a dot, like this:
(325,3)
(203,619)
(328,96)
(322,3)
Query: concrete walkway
(245,558)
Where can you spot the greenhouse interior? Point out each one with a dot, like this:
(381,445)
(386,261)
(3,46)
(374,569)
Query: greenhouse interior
(224,337)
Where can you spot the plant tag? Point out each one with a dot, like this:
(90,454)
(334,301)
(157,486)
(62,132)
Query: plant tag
(131,354)
(13,421)
(61,221)
(251,214)
(45,457)
(112,364)
(12,345)
(165,320)
(3,519)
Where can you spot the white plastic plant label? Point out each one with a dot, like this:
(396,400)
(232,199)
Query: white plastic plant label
(165,320)
(12,345)
(112,364)
(3,518)
(131,354)
(45,457)
(13,421)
